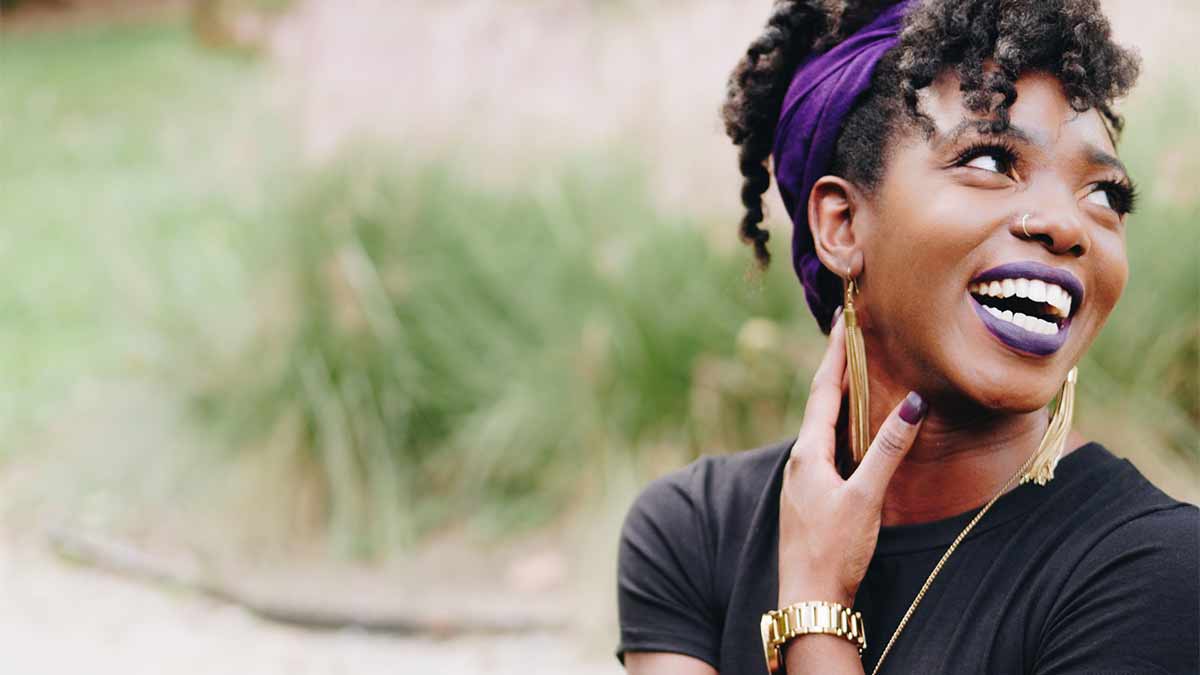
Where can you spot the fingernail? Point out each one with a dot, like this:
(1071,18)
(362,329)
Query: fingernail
(913,408)
(837,314)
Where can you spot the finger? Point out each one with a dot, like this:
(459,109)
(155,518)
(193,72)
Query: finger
(817,431)
(825,394)
(890,446)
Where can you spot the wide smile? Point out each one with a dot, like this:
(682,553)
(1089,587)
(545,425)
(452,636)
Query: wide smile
(1026,305)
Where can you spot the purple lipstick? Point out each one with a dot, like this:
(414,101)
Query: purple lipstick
(1027,305)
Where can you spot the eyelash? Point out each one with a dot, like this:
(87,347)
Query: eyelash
(1122,195)
(1002,151)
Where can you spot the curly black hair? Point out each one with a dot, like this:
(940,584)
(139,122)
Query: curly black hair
(1070,39)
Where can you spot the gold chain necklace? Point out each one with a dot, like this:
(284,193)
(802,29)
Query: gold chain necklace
(946,556)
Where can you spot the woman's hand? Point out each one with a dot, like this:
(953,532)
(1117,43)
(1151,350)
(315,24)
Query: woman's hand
(828,527)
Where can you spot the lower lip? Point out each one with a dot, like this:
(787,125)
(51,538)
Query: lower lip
(1015,337)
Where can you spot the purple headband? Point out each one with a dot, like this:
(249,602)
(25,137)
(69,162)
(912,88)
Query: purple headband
(821,94)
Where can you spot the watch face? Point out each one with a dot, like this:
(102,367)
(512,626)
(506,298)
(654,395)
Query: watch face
(770,652)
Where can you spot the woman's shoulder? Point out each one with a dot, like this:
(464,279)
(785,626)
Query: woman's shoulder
(1128,512)
(681,539)
(1116,484)
(714,487)
(1130,560)
(1120,521)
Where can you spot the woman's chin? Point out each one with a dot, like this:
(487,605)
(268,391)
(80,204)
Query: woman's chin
(1015,399)
(1005,389)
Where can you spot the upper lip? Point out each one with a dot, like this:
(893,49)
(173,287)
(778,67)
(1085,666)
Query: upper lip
(1029,269)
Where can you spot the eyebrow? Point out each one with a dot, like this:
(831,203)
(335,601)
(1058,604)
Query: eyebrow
(953,135)
(1092,153)
(1097,156)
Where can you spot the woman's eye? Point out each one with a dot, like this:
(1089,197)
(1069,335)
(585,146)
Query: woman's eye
(1099,196)
(990,157)
(986,162)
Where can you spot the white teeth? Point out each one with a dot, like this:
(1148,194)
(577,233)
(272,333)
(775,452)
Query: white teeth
(1064,302)
(1036,290)
(1029,323)
(1059,299)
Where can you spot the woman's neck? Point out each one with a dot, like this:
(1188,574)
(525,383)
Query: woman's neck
(958,461)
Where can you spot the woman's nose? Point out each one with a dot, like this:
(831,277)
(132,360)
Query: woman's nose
(1059,228)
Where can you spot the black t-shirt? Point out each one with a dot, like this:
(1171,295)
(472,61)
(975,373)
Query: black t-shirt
(1096,572)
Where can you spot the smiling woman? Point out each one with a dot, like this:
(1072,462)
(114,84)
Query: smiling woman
(950,168)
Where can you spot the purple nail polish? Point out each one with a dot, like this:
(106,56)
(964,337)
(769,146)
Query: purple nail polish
(913,408)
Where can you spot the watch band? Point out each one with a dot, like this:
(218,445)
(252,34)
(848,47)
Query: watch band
(803,618)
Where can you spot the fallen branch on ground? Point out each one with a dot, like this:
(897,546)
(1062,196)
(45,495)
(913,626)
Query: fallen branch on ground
(129,561)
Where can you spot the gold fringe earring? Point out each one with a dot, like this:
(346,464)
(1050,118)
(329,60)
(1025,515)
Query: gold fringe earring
(1055,440)
(856,360)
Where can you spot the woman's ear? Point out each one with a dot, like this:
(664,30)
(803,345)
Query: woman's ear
(832,206)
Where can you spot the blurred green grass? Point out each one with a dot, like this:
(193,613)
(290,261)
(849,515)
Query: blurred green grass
(456,353)
(121,201)
(435,350)
(1143,372)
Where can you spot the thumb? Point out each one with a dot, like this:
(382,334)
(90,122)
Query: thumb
(891,444)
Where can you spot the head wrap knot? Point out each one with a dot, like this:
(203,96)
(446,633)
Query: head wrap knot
(822,92)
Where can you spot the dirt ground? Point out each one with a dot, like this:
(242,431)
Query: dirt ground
(58,617)
(64,616)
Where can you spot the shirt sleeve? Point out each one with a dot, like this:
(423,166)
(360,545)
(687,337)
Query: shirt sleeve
(664,573)
(1133,603)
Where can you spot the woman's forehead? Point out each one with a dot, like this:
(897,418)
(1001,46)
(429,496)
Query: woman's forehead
(1041,114)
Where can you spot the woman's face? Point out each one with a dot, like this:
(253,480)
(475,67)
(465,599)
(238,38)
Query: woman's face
(947,217)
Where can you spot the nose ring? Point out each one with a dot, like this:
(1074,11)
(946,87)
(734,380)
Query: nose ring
(1023,228)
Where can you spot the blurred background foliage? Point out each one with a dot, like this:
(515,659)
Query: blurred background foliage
(212,307)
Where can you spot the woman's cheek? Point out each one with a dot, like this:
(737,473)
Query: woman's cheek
(1112,267)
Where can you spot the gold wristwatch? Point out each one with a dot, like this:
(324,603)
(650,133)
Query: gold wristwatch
(780,625)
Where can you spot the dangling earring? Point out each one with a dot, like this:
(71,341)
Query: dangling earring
(856,360)
(1051,448)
